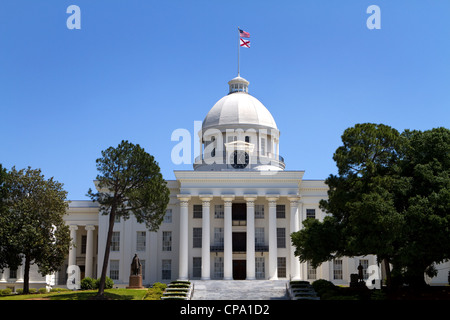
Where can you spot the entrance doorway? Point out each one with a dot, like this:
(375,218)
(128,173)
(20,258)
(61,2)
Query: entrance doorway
(239,269)
(239,241)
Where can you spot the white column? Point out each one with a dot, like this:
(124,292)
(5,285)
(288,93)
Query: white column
(325,271)
(301,218)
(227,239)
(89,251)
(250,237)
(73,250)
(206,246)
(20,271)
(183,263)
(295,226)
(273,274)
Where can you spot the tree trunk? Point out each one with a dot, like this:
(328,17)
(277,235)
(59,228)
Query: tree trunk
(26,276)
(101,285)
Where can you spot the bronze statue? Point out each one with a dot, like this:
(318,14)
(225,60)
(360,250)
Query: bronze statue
(135,266)
(360,272)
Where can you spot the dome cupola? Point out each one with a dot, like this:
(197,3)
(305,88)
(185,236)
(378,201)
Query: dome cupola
(239,133)
(238,84)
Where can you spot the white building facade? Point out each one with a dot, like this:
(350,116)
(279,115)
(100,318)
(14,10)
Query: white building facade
(229,218)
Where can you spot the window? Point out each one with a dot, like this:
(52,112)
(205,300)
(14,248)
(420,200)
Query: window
(260,272)
(142,268)
(247,139)
(197,238)
(310,213)
(114,269)
(198,211)
(337,269)
(166,269)
(83,244)
(218,267)
(116,218)
(281,264)
(365,265)
(197,267)
(218,236)
(167,241)
(213,152)
(312,274)
(263,146)
(259,211)
(141,240)
(281,238)
(115,241)
(281,211)
(218,211)
(12,273)
(168,216)
(259,236)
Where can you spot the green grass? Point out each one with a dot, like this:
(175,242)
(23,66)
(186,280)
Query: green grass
(112,294)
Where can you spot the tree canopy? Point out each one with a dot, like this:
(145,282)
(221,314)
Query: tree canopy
(390,198)
(129,183)
(32,222)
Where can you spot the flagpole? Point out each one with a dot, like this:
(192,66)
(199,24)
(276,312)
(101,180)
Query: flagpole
(239,51)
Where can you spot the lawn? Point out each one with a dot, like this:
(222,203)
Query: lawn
(110,294)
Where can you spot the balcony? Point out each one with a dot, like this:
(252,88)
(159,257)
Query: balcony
(216,248)
(239,222)
(205,162)
(261,248)
(258,248)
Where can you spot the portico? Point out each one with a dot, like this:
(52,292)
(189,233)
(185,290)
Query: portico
(233,233)
(82,219)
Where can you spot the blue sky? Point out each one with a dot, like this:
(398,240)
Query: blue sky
(137,70)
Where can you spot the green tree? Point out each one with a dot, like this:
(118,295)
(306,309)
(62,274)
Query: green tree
(425,204)
(129,182)
(33,228)
(390,198)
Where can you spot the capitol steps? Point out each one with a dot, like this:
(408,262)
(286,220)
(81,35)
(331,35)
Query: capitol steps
(240,290)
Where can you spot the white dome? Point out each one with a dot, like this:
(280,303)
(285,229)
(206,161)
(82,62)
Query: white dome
(239,108)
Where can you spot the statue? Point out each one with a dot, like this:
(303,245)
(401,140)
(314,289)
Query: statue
(135,274)
(360,272)
(135,266)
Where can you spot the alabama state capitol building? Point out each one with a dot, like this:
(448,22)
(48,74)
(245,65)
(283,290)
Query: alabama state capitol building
(229,218)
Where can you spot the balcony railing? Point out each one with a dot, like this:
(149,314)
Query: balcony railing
(239,222)
(258,248)
(267,158)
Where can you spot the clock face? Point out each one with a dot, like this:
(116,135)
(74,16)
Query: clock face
(239,159)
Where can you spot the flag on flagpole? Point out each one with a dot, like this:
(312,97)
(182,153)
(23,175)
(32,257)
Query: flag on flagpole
(243,34)
(245,43)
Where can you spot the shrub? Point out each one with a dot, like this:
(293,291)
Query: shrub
(88,284)
(179,285)
(175,293)
(42,290)
(321,286)
(159,286)
(109,283)
(5,292)
(59,289)
(156,291)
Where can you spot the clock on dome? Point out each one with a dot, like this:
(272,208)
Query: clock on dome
(239,159)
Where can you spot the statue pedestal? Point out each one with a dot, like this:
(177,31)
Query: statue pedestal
(135,282)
